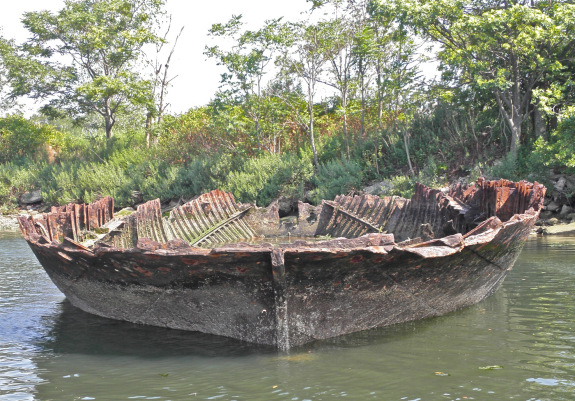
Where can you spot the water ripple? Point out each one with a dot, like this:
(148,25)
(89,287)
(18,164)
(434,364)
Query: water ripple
(518,344)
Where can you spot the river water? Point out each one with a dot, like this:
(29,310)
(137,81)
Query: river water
(517,345)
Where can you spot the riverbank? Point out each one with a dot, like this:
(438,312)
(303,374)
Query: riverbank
(8,223)
(559,229)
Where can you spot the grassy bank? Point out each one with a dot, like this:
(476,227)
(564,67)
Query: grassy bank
(68,165)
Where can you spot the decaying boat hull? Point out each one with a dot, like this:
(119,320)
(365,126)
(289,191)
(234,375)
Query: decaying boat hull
(222,293)
(288,295)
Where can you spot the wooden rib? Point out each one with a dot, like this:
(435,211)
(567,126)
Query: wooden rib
(220,226)
(219,223)
(150,224)
(349,215)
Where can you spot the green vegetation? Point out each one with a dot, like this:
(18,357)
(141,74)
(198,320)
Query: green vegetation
(504,105)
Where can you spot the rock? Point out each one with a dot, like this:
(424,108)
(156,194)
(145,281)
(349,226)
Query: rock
(174,203)
(561,229)
(288,223)
(559,197)
(8,223)
(546,214)
(570,184)
(565,210)
(552,221)
(307,220)
(560,184)
(553,207)
(286,206)
(31,197)
(379,188)
(571,216)
(137,197)
(426,232)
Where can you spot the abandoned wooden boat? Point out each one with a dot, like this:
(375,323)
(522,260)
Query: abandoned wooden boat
(377,261)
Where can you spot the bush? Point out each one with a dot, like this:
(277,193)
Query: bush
(265,178)
(402,185)
(21,138)
(336,177)
(559,151)
(530,164)
(14,181)
(184,137)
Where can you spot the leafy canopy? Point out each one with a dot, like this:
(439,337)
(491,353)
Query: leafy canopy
(506,49)
(84,58)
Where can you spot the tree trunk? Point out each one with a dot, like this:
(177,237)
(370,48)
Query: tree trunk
(148,130)
(362,83)
(376,150)
(108,119)
(345,133)
(406,144)
(515,135)
(311,136)
(514,119)
(539,126)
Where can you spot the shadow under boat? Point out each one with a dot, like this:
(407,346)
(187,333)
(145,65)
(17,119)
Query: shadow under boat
(74,331)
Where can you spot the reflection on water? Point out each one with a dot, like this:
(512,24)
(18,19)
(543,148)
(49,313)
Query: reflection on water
(518,344)
(100,336)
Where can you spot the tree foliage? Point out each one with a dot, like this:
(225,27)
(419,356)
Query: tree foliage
(507,49)
(248,61)
(82,59)
(310,108)
(21,138)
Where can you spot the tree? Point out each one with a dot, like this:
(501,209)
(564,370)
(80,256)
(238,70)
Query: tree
(346,45)
(372,51)
(364,47)
(8,57)
(338,47)
(506,48)
(85,56)
(401,90)
(5,50)
(160,83)
(248,62)
(306,60)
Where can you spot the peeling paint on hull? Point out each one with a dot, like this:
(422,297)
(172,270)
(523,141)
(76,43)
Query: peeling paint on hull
(287,295)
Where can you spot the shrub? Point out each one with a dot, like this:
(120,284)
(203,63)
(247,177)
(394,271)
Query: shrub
(21,138)
(559,151)
(336,177)
(263,179)
(14,181)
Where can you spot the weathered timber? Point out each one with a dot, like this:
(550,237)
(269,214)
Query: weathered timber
(383,260)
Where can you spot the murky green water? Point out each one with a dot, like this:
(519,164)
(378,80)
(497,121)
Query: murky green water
(517,345)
